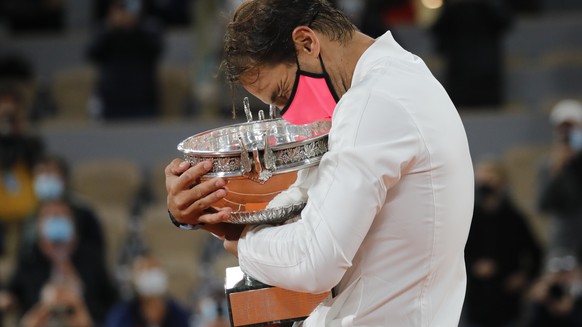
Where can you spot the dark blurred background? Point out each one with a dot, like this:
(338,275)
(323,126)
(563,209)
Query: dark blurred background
(113,86)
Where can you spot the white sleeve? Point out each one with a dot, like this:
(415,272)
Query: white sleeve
(365,158)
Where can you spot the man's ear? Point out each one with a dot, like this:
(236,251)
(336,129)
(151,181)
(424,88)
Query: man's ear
(306,41)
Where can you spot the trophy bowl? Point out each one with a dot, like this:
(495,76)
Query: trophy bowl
(259,159)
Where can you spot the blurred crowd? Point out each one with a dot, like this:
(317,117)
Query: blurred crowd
(54,246)
(126,43)
(55,250)
(513,278)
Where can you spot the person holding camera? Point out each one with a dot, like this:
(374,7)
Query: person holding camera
(561,180)
(556,298)
(60,305)
(62,280)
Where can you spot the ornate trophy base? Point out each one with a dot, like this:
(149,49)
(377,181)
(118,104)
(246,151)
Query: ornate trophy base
(252,303)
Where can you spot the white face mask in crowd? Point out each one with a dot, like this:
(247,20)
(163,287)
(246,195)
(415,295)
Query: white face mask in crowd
(151,282)
(58,229)
(48,187)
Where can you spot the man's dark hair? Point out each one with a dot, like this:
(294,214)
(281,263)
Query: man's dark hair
(59,161)
(260,32)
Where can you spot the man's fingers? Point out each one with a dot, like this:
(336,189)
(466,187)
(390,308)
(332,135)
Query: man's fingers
(206,193)
(199,198)
(193,174)
(173,171)
(190,199)
(177,167)
(187,178)
(219,216)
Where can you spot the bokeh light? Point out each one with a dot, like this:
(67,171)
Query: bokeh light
(432,4)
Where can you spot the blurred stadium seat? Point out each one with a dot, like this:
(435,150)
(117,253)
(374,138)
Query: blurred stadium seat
(522,164)
(72,89)
(157,182)
(111,187)
(111,182)
(175,91)
(178,250)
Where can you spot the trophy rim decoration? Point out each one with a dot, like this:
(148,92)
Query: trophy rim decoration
(258,150)
(275,215)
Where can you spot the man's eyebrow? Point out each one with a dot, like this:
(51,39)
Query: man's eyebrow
(273,97)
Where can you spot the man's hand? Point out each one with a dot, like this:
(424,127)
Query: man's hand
(190,200)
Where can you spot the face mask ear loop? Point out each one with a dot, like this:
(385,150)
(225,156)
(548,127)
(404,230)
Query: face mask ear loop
(322,65)
(297,62)
(328,80)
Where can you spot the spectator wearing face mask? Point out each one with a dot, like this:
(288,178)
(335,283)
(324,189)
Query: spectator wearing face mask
(151,305)
(502,255)
(560,180)
(61,302)
(51,182)
(59,262)
(19,152)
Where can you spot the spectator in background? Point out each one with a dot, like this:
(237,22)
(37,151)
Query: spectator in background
(59,305)
(151,305)
(62,265)
(126,51)
(555,299)
(469,34)
(560,180)
(52,182)
(19,152)
(17,72)
(502,255)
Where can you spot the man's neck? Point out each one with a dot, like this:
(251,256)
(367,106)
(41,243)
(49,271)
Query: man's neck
(344,59)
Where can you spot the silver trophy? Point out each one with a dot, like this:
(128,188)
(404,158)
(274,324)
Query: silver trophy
(260,159)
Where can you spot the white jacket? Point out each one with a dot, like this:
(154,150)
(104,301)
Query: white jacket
(389,211)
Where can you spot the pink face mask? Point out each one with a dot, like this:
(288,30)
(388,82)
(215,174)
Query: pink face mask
(312,99)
